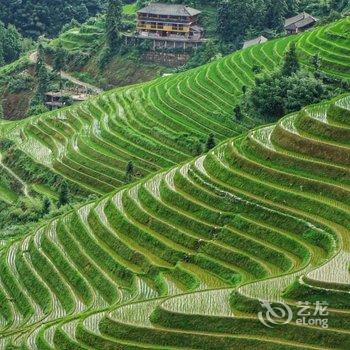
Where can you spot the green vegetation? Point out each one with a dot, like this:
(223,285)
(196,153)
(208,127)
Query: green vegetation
(118,232)
(257,218)
(35,18)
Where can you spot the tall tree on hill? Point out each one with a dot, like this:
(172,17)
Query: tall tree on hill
(113,24)
(12,44)
(129,171)
(224,24)
(338,5)
(63,198)
(277,10)
(241,18)
(291,63)
(60,61)
(2,37)
(46,206)
(211,143)
(293,7)
(1,109)
(41,73)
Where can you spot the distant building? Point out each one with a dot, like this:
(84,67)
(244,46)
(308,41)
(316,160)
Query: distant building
(299,23)
(55,100)
(259,40)
(169,25)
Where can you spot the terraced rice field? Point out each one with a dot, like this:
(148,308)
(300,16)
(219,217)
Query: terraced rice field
(166,121)
(89,37)
(182,257)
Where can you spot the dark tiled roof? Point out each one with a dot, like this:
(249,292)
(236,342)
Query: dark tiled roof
(169,10)
(299,21)
(259,40)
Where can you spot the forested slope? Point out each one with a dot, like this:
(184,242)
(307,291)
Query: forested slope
(35,18)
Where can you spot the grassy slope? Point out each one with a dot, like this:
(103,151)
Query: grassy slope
(225,219)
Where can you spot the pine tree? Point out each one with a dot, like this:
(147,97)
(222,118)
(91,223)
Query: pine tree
(59,61)
(316,62)
(291,64)
(63,198)
(129,171)
(113,24)
(12,44)
(293,7)
(277,10)
(210,144)
(238,113)
(46,206)
(224,24)
(242,18)
(2,116)
(2,38)
(42,75)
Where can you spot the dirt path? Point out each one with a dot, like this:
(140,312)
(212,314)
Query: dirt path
(33,57)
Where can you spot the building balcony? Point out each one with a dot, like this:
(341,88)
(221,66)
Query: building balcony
(163,28)
(159,36)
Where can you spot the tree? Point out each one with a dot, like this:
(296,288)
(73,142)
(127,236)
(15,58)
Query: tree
(46,206)
(42,74)
(2,37)
(238,113)
(224,21)
(291,63)
(63,198)
(338,5)
(59,61)
(129,171)
(242,17)
(316,62)
(210,144)
(37,17)
(276,95)
(12,44)
(114,24)
(2,116)
(198,149)
(275,16)
(293,7)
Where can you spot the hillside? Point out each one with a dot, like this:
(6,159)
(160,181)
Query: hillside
(178,255)
(40,17)
(166,121)
(153,265)
(84,45)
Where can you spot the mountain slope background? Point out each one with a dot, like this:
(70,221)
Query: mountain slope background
(182,258)
(153,126)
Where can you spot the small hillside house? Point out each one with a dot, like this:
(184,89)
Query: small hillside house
(169,25)
(299,23)
(260,40)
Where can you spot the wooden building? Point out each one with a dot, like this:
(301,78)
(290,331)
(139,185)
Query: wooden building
(256,41)
(55,100)
(299,23)
(169,25)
